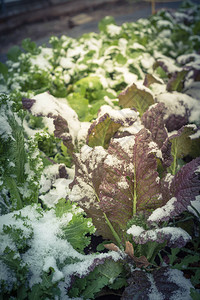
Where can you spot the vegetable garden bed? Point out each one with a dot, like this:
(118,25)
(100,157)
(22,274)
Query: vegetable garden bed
(100,163)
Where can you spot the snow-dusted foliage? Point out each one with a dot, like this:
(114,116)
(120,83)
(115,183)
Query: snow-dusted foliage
(99,144)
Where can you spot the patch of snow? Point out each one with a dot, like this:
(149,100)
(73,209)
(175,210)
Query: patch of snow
(153,294)
(195,205)
(163,212)
(113,30)
(47,105)
(183,292)
(135,230)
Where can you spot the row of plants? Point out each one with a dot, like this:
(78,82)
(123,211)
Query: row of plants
(100,163)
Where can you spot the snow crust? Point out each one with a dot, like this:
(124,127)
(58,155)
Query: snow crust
(48,105)
(162,212)
(47,248)
(184,285)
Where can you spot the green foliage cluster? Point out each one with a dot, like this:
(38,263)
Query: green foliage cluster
(89,73)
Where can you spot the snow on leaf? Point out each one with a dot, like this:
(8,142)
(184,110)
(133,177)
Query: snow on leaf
(85,186)
(62,131)
(46,105)
(150,79)
(139,189)
(184,188)
(182,145)
(176,82)
(174,237)
(136,97)
(161,284)
(106,125)
(153,119)
(186,185)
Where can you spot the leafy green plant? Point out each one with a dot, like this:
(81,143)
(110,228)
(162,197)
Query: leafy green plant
(110,147)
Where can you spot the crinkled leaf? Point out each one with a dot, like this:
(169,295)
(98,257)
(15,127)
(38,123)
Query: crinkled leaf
(104,273)
(85,186)
(150,79)
(102,131)
(153,120)
(130,183)
(119,182)
(62,131)
(107,124)
(170,236)
(139,261)
(184,188)
(186,185)
(63,206)
(176,82)
(182,145)
(77,230)
(163,283)
(111,247)
(136,97)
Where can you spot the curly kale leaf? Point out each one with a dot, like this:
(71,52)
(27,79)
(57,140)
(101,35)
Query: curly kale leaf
(21,166)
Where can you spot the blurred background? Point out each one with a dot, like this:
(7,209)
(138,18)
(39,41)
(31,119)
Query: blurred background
(40,19)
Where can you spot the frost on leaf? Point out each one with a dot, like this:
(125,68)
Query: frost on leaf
(62,131)
(107,124)
(186,185)
(150,79)
(118,182)
(85,186)
(172,236)
(176,82)
(182,145)
(184,188)
(153,120)
(163,283)
(129,182)
(46,105)
(136,97)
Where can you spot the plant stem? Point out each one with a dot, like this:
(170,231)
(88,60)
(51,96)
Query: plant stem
(175,158)
(116,236)
(113,231)
(134,195)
